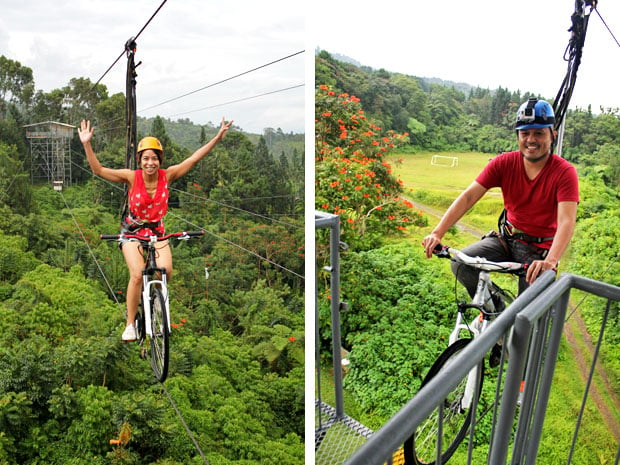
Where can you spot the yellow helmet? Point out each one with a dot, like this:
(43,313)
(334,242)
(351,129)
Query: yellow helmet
(150,143)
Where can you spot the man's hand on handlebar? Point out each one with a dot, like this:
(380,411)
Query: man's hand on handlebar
(429,243)
(536,268)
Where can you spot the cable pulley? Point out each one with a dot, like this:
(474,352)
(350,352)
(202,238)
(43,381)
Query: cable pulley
(130,115)
(572,55)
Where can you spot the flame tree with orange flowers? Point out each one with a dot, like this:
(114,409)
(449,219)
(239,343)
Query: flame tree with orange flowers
(352,176)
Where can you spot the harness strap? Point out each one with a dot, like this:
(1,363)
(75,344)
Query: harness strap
(131,224)
(530,239)
(507,230)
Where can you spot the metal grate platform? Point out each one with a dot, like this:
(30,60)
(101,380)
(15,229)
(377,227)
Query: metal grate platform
(336,439)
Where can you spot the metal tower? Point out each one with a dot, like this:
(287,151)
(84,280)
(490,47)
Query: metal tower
(50,149)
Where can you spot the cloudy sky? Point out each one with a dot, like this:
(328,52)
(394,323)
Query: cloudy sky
(518,45)
(190,44)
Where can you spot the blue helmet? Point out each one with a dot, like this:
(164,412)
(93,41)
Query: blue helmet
(535,114)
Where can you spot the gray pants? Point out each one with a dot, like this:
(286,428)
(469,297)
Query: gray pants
(491,248)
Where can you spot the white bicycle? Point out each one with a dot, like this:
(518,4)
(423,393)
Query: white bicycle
(456,412)
(153,317)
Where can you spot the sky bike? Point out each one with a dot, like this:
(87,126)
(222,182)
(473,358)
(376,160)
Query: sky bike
(436,439)
(153,317)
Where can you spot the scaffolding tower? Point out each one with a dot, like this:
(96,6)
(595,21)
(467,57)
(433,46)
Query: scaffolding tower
(50,149)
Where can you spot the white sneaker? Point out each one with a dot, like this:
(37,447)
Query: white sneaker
(129,334)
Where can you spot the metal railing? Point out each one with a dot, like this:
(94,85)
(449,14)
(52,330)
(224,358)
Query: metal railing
(337,435)
(537,318)
(535,321)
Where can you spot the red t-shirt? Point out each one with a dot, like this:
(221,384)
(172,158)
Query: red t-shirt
(145,208)
(532,205)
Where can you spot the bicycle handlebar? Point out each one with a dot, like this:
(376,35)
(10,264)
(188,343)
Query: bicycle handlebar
(481,263)
(185,235)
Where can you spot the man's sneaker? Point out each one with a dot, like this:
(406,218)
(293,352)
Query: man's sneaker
(495,356)
(129,334)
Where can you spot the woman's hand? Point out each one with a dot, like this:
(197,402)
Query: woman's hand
(85,132)
(224,128)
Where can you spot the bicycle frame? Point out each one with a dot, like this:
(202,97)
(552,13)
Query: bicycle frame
(148,284)
(483,301)
(151,268)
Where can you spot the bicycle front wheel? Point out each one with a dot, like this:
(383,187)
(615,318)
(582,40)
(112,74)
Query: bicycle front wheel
(456,414)
(159,341)
(139,323)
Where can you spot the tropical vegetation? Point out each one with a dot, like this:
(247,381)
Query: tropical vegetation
(70,391)
(400,305)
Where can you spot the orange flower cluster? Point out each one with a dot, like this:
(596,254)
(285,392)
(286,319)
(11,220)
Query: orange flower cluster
(352,177)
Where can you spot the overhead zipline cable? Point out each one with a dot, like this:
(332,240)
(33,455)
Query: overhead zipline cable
(221,81)
(189,431)
(134,38)
(236,101)
(221,204)
(102,127)
(238,246)
(607,27)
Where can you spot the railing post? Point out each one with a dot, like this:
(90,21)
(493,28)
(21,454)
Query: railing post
(557,325)
(518,354)
(324,220)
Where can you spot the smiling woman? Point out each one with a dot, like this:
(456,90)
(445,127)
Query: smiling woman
(148,204)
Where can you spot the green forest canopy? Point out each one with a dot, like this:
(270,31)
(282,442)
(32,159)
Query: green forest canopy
(68,385)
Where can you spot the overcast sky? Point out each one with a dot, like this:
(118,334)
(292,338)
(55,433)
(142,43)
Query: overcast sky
(518,45)
(189,44)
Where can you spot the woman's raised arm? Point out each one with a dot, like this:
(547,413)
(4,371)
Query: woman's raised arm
(86,134)
(176,171)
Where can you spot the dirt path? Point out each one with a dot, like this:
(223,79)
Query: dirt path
(462,226)
(573,329)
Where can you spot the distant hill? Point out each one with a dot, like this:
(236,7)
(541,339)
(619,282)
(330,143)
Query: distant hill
(186,134)
(339,57)
(462,86)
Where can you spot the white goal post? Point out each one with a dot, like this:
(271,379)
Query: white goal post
(443,160)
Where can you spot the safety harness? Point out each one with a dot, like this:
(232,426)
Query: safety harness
(509,231)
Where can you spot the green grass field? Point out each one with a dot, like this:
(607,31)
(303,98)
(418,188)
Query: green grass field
(437,186)
(417,171)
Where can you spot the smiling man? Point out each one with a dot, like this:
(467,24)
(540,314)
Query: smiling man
(540,192)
